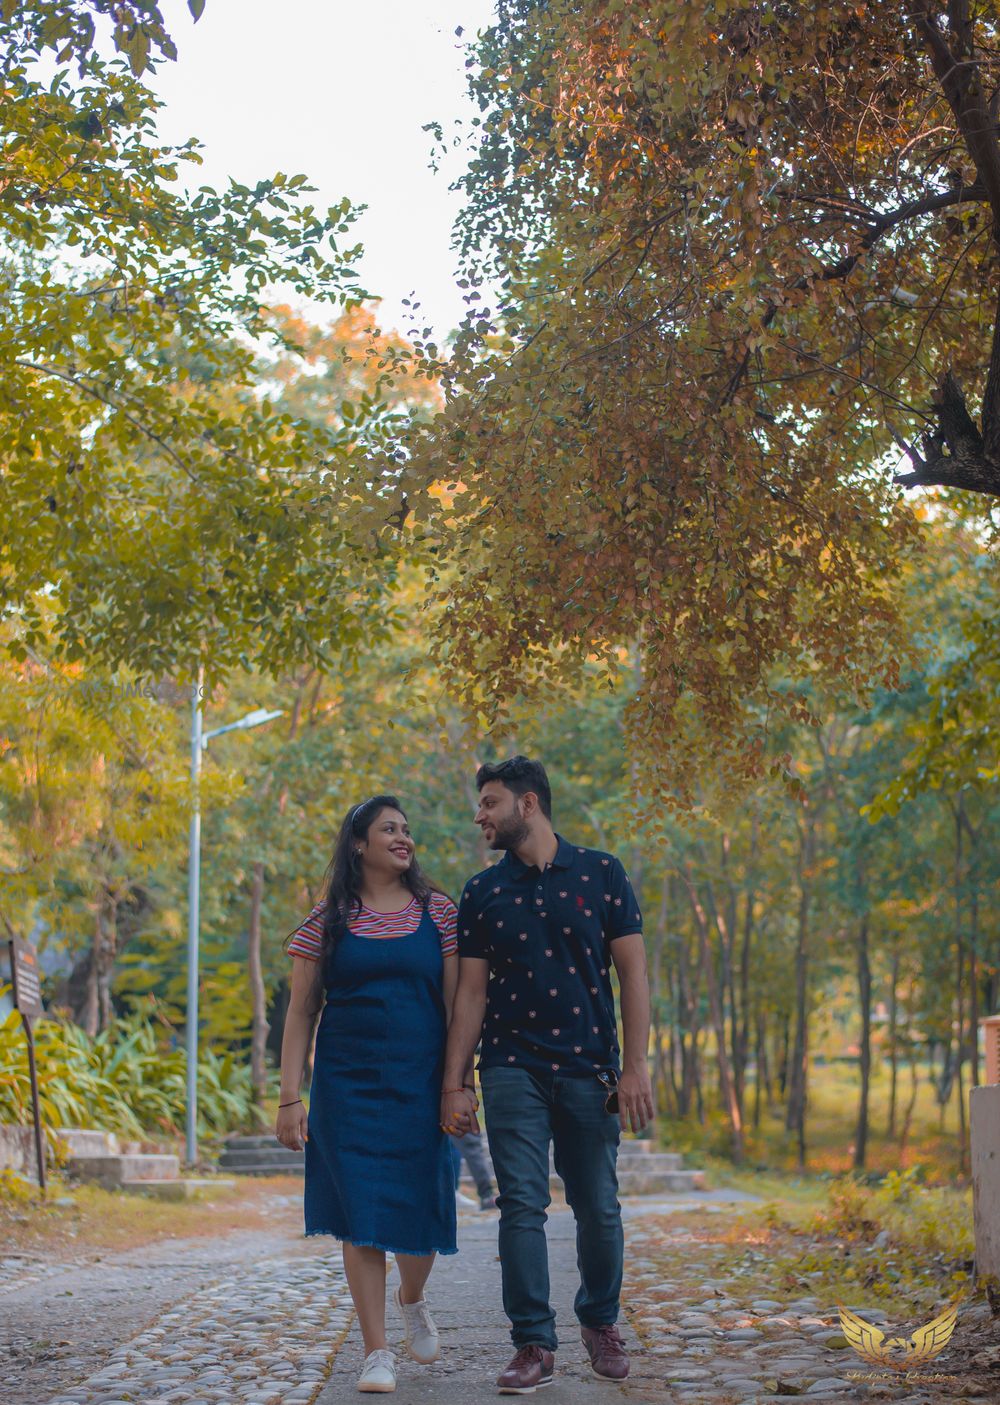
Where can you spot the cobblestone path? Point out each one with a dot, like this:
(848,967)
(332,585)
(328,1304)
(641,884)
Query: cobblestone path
(263,1334)
(464,1297)
(64,1323)
(264,1319)
(707,1342)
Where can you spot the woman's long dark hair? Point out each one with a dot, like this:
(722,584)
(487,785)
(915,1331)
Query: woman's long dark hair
(341,888)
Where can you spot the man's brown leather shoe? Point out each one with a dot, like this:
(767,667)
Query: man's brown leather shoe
(608,1357)
(530,1368)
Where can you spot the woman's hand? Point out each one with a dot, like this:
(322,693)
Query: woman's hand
(292,1126)
(458,1112)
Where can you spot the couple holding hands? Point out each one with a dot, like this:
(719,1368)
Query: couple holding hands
(408,988)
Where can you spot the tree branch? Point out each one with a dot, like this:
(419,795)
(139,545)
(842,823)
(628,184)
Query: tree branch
(955,455)
(62,374)
(961,82)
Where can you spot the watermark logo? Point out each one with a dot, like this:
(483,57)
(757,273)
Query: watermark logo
(163,690)
(898,1353)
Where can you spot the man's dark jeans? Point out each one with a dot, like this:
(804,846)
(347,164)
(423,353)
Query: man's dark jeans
(524,1112)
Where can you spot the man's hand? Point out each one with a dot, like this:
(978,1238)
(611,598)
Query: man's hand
(635,1099)
(458,1112)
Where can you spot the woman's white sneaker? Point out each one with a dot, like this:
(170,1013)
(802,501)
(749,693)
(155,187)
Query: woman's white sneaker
(419,1332)
(379,1371)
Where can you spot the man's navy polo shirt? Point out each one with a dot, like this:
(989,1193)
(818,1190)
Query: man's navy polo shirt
(547,936)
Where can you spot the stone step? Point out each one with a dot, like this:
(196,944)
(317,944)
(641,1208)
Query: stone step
(658,1161)
(636,1182)
(270,1155)
(250,1143)
(629,1182)
(184,1188)
(254,1168)
(640,1172)
(115,1170)
(651,1183)
(653,1161)
(88,1141)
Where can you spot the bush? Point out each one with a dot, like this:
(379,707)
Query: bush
(127,1079)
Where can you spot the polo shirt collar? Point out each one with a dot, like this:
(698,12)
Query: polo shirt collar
(563,859)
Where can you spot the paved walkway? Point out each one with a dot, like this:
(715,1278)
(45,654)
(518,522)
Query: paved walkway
(175,1320)
(464,1295)
(265,1319)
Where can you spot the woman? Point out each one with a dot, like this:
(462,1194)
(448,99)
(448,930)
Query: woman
(382,945)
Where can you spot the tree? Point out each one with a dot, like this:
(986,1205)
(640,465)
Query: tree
(92,810)
(147,484)
(69,27)
(739,255)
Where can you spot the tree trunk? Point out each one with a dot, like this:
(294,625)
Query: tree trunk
(795,1119)
(87,1013)
(959,992)
(760,1058)
(741,1044)
(88,986)
(105,951)
(786,1054)
(661,1080)
(672,1049)
(973,950)
(890,1130)
(687,1005)
(258,995)
(904,1135)
(865,998)
(727,946)
(707,965)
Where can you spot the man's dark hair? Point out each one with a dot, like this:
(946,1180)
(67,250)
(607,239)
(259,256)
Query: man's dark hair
(519,774)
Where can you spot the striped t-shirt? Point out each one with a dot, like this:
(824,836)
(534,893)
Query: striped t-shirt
(308,940)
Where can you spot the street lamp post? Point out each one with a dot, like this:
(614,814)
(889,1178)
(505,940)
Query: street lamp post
(199,741)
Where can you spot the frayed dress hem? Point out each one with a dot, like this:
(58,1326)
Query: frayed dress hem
(371,1244)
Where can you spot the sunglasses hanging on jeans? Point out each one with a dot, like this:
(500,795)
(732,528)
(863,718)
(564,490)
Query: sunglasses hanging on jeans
(610,1082)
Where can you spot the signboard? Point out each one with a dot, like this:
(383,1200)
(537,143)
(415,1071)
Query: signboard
(26,977)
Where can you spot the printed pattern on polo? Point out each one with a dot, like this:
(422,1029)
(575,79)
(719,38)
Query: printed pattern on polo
(547,936)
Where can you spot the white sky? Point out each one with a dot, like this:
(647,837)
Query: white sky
(339,91)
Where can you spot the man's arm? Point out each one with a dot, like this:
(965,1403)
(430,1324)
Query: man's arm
(458,1108)
(635,1091)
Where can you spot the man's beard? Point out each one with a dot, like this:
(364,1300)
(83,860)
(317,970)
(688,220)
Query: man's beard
(509,833)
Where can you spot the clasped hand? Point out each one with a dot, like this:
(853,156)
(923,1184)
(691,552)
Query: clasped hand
(458,1112)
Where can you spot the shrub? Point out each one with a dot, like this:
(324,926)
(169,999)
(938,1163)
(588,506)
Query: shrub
(127,1079)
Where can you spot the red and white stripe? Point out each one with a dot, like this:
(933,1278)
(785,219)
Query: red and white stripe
(308,940)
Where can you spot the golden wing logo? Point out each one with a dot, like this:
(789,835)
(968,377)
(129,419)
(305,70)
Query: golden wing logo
(872,1345)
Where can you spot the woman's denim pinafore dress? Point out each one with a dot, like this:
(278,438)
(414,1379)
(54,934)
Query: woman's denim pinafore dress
(378,1167)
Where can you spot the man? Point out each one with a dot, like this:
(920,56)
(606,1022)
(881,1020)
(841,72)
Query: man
(538,933)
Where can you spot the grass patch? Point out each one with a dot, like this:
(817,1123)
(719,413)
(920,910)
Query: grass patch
(77,1220)
(932,1143)
(901,1243)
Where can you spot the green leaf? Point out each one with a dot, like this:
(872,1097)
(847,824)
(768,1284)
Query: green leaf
(137,48)
(196,7)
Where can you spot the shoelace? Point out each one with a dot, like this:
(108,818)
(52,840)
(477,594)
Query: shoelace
(525,1354)
(380,1357)
(609,1343)
(419,1314)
